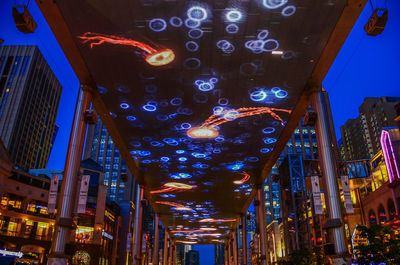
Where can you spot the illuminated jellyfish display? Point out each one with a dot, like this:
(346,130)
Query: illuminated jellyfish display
(269,140)
(233,15)
(153,57)
(197,13)
(209,128)
(261,94)
(232,28)
(176,22)
(180,176)
(191,23)
(157,24)
(259,46)
(206,86)
(274,4)
(192,46)
(195,33)
(288,11)
(225,46)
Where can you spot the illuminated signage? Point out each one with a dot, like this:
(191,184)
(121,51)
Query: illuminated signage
(389,155)
(6,252)
(107,235)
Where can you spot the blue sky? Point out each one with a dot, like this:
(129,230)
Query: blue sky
(366,66)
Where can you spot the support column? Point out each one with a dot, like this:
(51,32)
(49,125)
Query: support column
(261,224)
(229,251)
(156,240)
(327,151)
(244,239)
(226,254)
(234,248)
(171,247)
(174,256)
(64,223)
(165,250)
(137,245)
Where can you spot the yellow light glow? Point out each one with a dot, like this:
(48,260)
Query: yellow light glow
(183,208)
(202,132)
(160,58)
(208,228)
(186,242)
(177,185)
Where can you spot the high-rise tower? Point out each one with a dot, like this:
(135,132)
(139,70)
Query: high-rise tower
(29,99)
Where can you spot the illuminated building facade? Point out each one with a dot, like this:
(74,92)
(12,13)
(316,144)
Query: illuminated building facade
(361,136)
(29,99)
(117,177)
(302,142)
(26,225)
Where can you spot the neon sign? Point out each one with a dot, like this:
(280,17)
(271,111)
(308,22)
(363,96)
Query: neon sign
(389,155)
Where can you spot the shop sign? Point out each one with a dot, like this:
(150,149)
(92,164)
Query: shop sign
(107,235)
(52,201)
(316,191)
(348,203)
(83,193)
(6,252)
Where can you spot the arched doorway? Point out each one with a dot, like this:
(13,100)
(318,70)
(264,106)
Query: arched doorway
(372,217)
(382,214)
(81,257)
(391,209)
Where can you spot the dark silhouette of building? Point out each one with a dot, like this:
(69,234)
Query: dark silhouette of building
(219,258)
(192,258)
(29,99)
(360,136)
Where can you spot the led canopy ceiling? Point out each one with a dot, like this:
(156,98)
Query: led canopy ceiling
(199,96)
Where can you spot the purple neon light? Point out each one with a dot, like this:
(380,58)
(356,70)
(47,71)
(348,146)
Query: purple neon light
(388,154)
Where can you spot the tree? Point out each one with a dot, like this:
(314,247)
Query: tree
(381,248)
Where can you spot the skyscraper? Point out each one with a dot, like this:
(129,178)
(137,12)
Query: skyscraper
(360,136)
(192,258)
(29,99)
(303,142)
(219,258)
(100,147)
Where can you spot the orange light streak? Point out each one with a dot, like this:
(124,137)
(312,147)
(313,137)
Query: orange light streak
(211,220)
(153,57)
(162,190)
(243,180)
(186,242)
(173,204)
(173,186)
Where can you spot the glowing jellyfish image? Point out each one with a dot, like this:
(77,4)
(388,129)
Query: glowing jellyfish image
(208,128)
(245,178)
(274,4)
(154,57)
(173,186)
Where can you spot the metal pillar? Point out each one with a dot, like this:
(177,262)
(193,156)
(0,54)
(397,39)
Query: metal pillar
(234,248)
(226,254)
(171,247)
(64,223)
(174,256)
(327,151)
(261,224)
(244,239)
(156,240)
(229,252)
(137,245)
(165,250)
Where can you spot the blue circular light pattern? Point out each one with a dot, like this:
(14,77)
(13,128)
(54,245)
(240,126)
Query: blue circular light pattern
(269,140)
(232,28)
(176,22)
(192,63)
(181,176)
(182,159)
(197,13)
(191,23)
(233,15)
(167,195)
(263,34)
(217,110)
(124,106)
(288,11)
(265,150)
(165,158)
(186,126)
(151,88)
(195,33)
(180,151)
(223,101)
(225,46)
(131,118)
(198,155)
(157,24)
(274,4)
(236,166)
(192,46)
(231,115)
(258,95)
(162,117)
(281,94)
(268,130)
(176,101)
(149,107)
(261,44)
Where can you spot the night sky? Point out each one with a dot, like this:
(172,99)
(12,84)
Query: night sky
(365,67)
